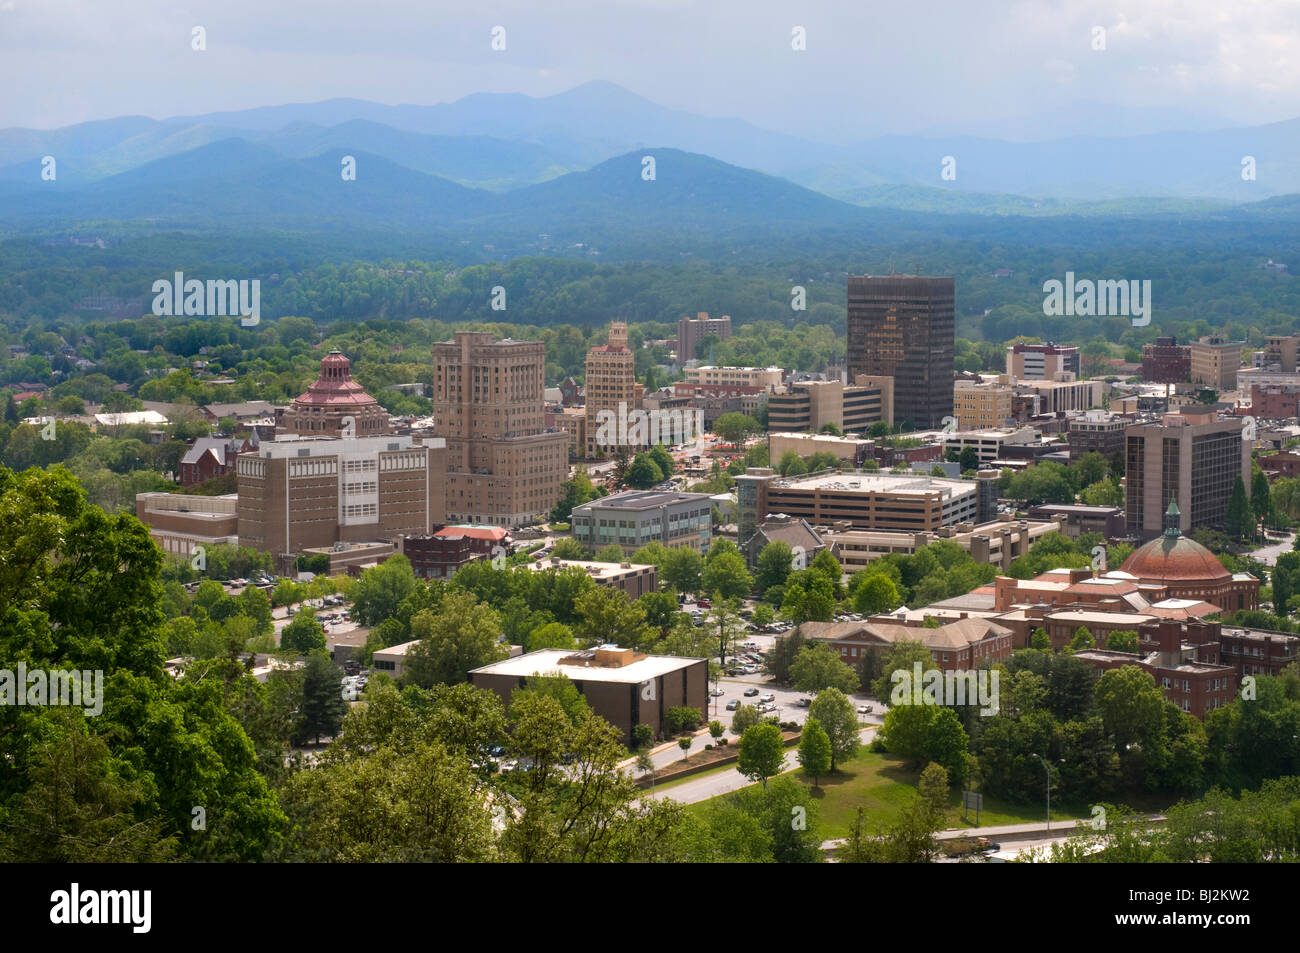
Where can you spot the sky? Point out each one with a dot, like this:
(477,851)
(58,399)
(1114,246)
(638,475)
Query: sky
(869,67)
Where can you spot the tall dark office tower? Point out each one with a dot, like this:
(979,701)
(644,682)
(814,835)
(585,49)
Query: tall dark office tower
(901,326)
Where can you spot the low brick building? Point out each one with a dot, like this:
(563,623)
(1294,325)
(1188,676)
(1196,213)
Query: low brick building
(439,554)
(956,646)
(624,687)
(1188,674)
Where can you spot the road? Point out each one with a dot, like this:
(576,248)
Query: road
(1268,554)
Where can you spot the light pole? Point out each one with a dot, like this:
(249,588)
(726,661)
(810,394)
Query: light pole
(1048,769)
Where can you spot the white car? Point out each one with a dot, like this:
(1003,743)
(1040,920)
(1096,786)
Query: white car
(717,693)
(769,697)
(864,709)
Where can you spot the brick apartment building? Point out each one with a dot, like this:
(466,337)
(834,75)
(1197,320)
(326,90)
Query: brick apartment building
(955,646)
(1166,361)
(690,331)
(439,554)
(1275,401)
(1188,673)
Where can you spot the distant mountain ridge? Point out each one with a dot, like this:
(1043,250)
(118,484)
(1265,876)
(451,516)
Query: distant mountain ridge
(501,142)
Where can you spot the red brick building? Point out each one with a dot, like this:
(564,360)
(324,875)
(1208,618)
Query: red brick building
(1275,401)
(210,457)
(439,554)
(1188,673)
(957,646)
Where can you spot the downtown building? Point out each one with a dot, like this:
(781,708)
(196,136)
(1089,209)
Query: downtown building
(691,331)
(1192,456)
(808,406)
(1215,361)
(1042,362)
(335,405)
(327,493)
(612,394)
(504,466)
(901,326)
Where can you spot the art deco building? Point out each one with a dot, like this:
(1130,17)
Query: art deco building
(504,466)
(611,387)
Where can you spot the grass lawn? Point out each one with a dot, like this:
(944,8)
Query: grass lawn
(881,785)
(666,785)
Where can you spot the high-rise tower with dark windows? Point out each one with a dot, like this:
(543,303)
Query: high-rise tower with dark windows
(901,326)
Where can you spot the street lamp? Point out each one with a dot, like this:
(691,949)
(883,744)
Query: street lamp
(1047,768)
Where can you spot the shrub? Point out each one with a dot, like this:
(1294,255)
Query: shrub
(684,718)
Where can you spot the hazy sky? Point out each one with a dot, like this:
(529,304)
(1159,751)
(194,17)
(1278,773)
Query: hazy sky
(869,67)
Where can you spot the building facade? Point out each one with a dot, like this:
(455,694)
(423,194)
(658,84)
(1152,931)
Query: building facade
(1042,362)
(504,466)
(1193,456)
(1166,361)
(1214,362)
(624,687)
(335,405)
(612,392)
(901,326)
(690,331)
(981,405)
(633,519)
(317,492)
(858,500)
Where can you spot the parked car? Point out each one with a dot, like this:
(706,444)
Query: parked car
(733,704)
(717,693)
(804,702)
(751,692)
(705,604)
(864,709)
(769,697)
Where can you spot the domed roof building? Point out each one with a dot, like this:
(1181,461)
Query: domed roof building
(1189,570)
(335,405)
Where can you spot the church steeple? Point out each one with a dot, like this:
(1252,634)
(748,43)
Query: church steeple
(1173,520)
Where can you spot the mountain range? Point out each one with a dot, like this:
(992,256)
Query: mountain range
(571,166)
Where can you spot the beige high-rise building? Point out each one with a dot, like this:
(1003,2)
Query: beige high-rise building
(1194,457)
(981,405)
(504,466)
(1215,361)
(611,388)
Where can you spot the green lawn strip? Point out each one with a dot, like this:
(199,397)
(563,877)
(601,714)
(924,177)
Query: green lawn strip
(881,785)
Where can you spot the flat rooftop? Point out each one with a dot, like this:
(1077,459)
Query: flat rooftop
(593,569)
(644,500)
(547,662)
(335,446)
(872,482)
